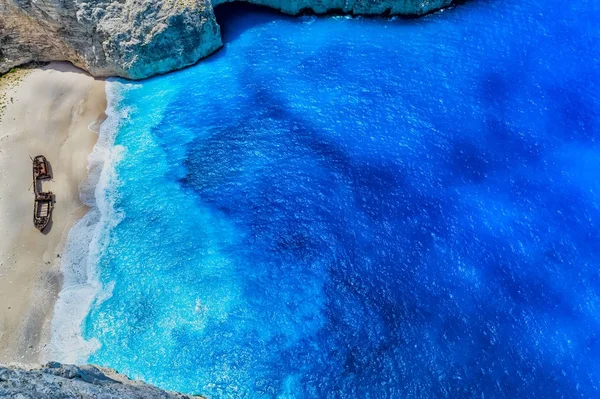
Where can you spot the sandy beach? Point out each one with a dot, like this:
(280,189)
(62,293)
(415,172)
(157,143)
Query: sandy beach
(53,111)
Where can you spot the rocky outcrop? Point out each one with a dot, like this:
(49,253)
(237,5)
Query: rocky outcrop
(55,380)
(128,38)
(140,38)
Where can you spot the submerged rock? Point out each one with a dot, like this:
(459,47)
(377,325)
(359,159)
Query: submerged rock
(55,380)
(139,39)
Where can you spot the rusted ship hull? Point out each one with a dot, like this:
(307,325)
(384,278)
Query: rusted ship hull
(42,212)
(41,168)
(43,202)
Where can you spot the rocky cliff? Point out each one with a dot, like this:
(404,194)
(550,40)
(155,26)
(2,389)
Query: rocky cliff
(140,38)
(55,380)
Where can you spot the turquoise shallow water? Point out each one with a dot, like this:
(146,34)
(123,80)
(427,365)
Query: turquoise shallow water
(345,208)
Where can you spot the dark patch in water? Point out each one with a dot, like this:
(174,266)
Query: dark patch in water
(409,220)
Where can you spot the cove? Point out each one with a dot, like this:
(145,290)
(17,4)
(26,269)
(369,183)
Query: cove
(336,207)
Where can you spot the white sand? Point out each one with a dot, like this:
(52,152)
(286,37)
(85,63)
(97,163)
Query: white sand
(50,112)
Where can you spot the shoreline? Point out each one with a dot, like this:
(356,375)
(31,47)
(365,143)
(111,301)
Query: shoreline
(54,110)
(81,287)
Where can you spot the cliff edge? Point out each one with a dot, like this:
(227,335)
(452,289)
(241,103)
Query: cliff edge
(56,380)
(138,39)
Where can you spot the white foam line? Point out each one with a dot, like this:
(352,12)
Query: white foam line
(87,240)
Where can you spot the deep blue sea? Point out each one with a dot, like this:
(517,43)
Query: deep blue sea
(358,208)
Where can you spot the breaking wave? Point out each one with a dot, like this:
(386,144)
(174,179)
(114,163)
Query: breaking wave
(88,239)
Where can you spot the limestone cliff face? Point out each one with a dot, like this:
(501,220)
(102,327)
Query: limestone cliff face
(67,381)
(140,38)
(129,38)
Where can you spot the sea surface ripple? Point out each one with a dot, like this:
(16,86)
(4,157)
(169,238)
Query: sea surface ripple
(342,207)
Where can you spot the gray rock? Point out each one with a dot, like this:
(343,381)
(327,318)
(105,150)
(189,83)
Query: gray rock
(137,39)
(128,38)
(58,381)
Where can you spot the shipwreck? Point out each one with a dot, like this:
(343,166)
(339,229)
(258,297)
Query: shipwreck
(43,202)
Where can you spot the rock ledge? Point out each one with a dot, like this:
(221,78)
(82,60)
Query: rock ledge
(58,381)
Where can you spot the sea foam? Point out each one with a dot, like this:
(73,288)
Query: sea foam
(354,208)
(87,239)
